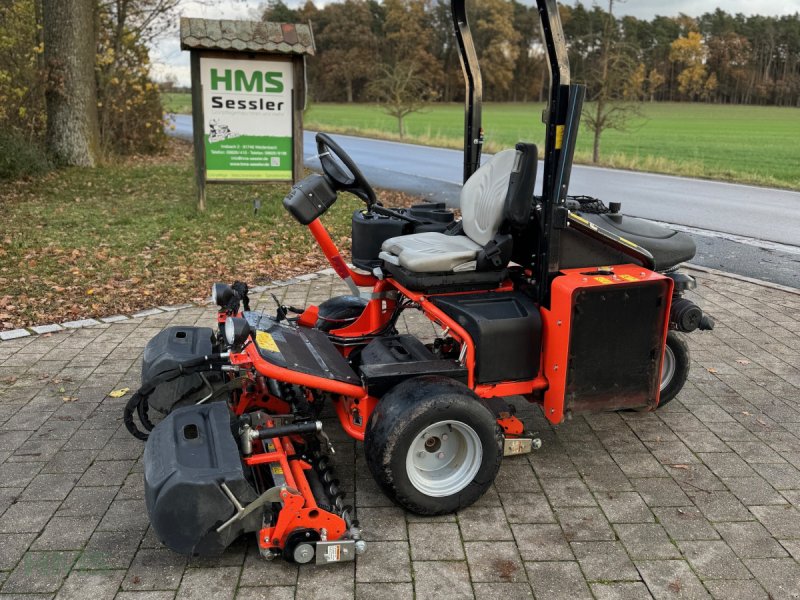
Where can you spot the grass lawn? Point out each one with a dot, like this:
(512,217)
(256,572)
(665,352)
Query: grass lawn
(751,144)
(115,239)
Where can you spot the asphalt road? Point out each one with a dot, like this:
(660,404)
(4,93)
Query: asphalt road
(748,230)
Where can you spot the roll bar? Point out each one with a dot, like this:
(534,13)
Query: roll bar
(473,132)
(561,118)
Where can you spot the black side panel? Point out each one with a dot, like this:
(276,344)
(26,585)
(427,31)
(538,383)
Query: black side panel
(187,456)
(164,352)
(390,360)
(507,330)
(578,251)
(309,199)
(615,347)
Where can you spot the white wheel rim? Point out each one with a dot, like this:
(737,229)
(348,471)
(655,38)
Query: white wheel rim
(668,368)
(444,458)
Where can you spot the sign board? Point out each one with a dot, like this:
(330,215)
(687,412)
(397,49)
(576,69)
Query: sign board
(247,118)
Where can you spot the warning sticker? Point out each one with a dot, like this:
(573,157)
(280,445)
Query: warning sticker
(603,280)
(333,553)
(627,277)
(277,470)
(265,342)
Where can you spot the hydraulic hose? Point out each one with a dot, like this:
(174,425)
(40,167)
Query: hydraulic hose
(138,401)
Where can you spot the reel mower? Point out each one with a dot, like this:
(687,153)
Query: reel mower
(559,299)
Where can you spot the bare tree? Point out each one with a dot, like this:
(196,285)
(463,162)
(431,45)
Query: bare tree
(401,91)
(71,93)
(611,111)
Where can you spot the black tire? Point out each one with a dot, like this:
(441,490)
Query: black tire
(677,350)
(403,415)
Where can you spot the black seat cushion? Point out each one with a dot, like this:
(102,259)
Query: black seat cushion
(466,281)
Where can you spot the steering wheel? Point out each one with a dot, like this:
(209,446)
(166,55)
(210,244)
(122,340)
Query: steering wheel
(342,172)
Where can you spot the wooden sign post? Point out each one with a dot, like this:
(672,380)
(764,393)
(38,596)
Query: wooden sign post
(248,96)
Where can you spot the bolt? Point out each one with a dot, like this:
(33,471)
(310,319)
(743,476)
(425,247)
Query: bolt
(421,454)
(536,443)
(440,456)
(444,437)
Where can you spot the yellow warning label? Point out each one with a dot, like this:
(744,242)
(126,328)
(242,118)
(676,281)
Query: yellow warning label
(277,470)
(578,218)
(627,277)
(265,342)
(559,136)
(603,280)
(630,243)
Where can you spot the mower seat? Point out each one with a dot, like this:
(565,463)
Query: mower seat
(482,203)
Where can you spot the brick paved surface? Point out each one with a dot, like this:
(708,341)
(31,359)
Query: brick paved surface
(698,500)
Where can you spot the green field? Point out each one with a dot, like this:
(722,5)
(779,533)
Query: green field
(177,102)
(750,144)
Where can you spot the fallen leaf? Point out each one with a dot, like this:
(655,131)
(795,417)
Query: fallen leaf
(711,370)
(684,467)
(119,393)
(742,361)
(69,398)
(9,380)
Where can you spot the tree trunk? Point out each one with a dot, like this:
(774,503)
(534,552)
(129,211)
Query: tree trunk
(71,92)
(349,88)
(401,126)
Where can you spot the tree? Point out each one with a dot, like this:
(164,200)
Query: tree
(609,82)
(400,90)
(71,92)
(348,47)
(654,81)
(691,52)
(496,42)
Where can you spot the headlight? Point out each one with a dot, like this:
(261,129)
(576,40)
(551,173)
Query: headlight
(221,294)
(237,330)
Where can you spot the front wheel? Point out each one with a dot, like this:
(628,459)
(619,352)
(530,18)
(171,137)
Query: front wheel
(675,368)
(433,446)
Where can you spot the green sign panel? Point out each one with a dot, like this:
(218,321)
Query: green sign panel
(247,114)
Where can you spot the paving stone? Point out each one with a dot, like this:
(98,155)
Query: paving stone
(88,501)
(385,562)
(435,541)
(12,547)
(516,476)
(66,533)
(752,491)
(383,523)
(155,569)
(434,580)
(639,464)
(18,474)
(604,561)
(780,577)
(260,593)
(624,507)
(39,572)
(330,581)
(685,523)
(109,550)
(780,521)
(567,492)
(259,572)
(736,589)
(623,590)
(494,562)
(50,486)
(527,508)
(557,580)
(14,334)
(713,560)
(661,491)
(380,591)
(51,328)
(106,473)
(726,464)
(720,506)
(493,591)
(124,515)
(671,579)
(584,523)
(646,541)
(541,542)
(80,323)
(484,523)
(27,517)
(218,583)
(97,585)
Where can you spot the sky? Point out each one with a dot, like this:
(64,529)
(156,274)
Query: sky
(168,59)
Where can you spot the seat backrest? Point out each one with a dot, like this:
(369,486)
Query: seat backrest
(483,197)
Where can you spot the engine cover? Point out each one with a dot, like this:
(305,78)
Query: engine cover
(187,456)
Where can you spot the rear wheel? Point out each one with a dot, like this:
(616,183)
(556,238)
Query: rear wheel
(675,368)
(433,446)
